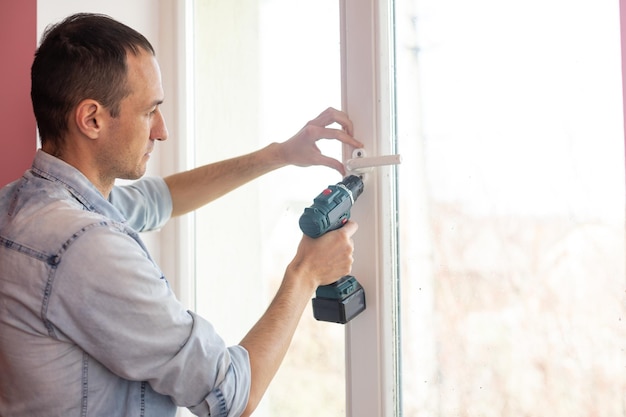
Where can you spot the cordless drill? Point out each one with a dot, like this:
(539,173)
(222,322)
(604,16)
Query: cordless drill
(344,299)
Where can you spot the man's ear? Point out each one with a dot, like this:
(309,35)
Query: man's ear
(88,117)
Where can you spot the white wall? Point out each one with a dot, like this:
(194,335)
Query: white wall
(142,15)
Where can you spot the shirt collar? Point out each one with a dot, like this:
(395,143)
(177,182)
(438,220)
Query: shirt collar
(57,170)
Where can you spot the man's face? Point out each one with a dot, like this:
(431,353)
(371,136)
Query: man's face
(131,135)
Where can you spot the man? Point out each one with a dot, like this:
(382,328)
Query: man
(88,324)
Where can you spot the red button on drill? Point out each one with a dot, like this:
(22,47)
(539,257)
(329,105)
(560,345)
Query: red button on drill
(327,191)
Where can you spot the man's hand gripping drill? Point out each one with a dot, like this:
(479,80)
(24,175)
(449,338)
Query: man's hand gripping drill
(344,299)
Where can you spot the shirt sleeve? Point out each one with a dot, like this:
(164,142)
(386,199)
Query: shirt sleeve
(146,203)
(111,300)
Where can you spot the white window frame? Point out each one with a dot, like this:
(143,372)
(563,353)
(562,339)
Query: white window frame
(176,239)
(372,339)
(372,376)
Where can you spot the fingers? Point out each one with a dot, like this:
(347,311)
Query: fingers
(331,163)
(327,258)
(330,116)
(340,135)
(350,228)
(342,258)
(342,248)
(302,150)
(315,133)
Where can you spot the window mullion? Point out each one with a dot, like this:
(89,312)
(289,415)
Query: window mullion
(371,342)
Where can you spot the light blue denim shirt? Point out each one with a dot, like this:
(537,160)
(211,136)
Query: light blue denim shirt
(88,323)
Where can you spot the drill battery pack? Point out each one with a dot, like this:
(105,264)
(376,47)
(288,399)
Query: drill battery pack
(340,301)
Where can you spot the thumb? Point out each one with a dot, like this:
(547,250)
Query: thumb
(350,228)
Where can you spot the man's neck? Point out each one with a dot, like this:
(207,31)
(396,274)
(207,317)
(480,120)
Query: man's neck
(86,167)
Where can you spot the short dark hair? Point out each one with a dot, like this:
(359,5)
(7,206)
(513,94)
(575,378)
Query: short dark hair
(83,56)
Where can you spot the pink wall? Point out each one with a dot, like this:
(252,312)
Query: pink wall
(18,40)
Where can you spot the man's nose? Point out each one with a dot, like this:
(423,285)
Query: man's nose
(159,129)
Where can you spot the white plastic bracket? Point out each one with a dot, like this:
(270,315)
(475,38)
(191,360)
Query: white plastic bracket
(361,163)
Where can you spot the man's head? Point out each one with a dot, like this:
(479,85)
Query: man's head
(82,57)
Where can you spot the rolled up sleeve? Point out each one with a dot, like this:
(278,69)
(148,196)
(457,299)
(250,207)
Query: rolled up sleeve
(114,303)
(146,203)
(230,396)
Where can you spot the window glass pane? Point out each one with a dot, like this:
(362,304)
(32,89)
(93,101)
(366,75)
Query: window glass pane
(262,70)
(512,208)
